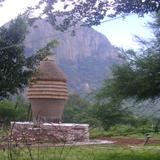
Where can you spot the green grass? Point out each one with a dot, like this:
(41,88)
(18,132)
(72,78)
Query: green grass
(98,152)
(85,153)
(97,133)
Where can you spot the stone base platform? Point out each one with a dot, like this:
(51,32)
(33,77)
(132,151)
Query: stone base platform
(30,132)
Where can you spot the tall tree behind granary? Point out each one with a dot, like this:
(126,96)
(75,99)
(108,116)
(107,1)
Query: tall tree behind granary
(15,68)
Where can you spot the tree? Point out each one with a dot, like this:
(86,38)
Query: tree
(109,114)
(91,12)
(12,111)
(15,68)
(75,108)
(140,7)
(80,110)
(139,76)
(139,79)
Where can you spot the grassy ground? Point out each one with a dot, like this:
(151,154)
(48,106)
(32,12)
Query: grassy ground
(84,153)
(96,133)
(97,152)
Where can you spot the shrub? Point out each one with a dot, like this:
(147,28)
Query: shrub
(122,129)
(10,111)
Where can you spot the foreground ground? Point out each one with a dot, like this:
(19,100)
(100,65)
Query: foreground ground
(124,148)
(102,152)
(125,141)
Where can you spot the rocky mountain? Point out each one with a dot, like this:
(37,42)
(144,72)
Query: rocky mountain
(86,57)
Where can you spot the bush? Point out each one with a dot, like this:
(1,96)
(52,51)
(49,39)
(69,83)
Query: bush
(12,111)
(122,129)
(116,130)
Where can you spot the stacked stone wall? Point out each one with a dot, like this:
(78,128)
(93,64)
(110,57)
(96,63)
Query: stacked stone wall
(49,132)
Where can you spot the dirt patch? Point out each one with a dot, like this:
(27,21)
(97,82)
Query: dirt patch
(129,141)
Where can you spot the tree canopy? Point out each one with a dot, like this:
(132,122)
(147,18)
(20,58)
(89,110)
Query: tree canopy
(15,68)
(139,76)
(140,7)
(91,12)
(140,81)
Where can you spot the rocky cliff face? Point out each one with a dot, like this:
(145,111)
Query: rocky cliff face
(86,58)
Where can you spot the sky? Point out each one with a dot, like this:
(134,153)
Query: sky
(120,32)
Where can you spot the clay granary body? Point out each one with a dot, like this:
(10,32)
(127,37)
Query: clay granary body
(48,92)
